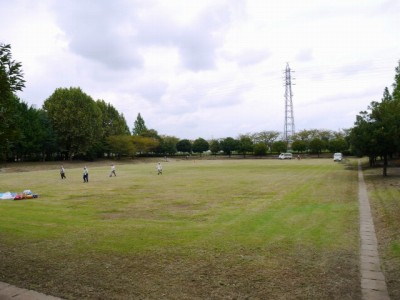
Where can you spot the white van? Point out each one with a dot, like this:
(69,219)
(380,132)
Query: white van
(285,156)
(337,156)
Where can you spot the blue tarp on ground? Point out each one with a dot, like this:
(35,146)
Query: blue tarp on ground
(7,196)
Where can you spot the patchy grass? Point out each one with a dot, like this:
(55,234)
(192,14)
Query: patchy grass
(206,229)
(384,196)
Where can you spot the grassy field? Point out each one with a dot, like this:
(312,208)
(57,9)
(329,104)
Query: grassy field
(205,229)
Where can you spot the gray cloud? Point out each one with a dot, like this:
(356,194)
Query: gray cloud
(112,33)
(151,90)
(100,31)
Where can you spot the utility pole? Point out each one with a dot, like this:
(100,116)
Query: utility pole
(288,131)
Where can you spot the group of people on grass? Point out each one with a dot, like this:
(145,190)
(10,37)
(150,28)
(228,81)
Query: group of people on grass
(113,172)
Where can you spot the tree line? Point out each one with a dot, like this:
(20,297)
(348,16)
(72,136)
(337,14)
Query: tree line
(72,125)
(376,131)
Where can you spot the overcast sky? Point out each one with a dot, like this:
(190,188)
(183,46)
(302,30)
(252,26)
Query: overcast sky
(209,69)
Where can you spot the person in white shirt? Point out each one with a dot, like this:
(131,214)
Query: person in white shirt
(159,169)
(85,174)
(113,170)
(62,173)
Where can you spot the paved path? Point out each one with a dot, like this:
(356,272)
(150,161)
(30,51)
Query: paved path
(373,284)
(10,292)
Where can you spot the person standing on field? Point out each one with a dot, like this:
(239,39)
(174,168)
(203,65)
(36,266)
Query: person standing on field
(85,174)
(159,169)
(62,173)
(113,170)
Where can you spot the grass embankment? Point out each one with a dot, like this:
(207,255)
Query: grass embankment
(384,196)
(260,229)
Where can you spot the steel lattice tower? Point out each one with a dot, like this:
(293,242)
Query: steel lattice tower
(288,131)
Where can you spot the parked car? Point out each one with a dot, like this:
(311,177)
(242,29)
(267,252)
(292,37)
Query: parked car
(337,156)
(285,156)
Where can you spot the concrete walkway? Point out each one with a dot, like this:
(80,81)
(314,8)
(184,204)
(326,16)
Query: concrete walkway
(10,292)
(373,284)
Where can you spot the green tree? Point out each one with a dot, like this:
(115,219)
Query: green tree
(228,145)
(168,145)
(200,145)
(34,139)
(260,149)
(245,145)
(317,145)
(139,126)
(279,146)
(299,146)
(76,119)
(396,84)
(386,117)
(121,145)
(338,144)
(12,70)
(184,146)
(266,137)
(112,123)
(362,137)
(11,80)
(215,146)
(145,144)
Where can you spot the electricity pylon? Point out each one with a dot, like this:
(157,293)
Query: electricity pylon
(288,131)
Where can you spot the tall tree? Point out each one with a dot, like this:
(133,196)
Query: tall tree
(396,84)
(37,140)
(386,116)
(11,69)
(75,118)
(139,125)
(11,80)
